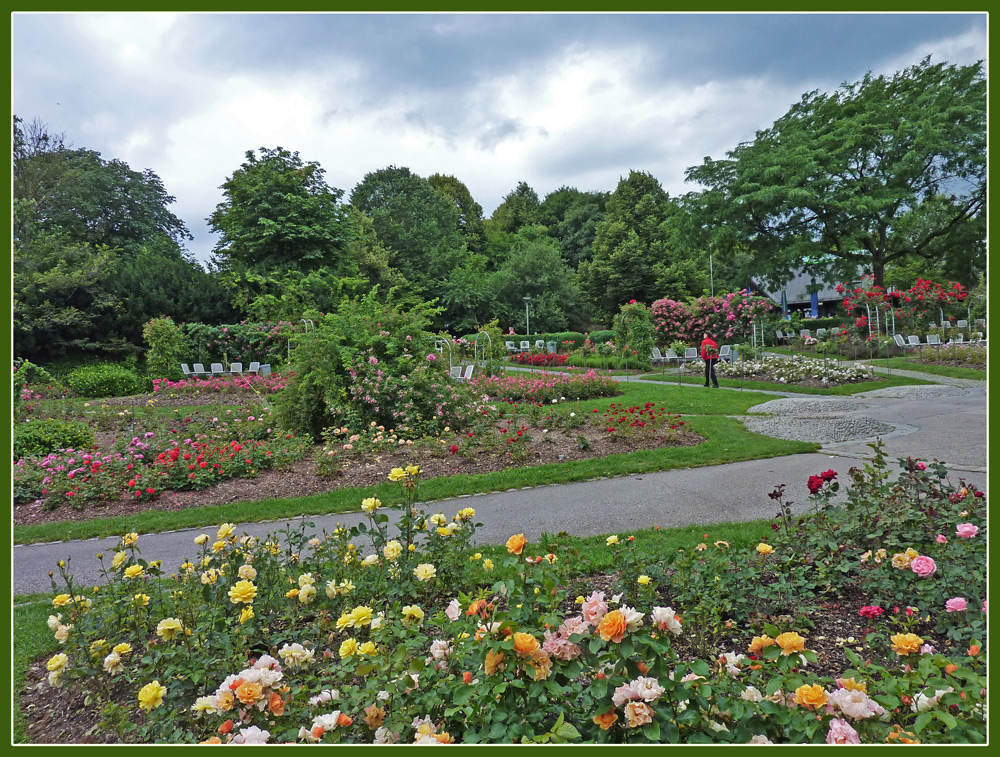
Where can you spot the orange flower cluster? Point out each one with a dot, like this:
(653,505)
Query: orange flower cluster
(515,544)
(612,626)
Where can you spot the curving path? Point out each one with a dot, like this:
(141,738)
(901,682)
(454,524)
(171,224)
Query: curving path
(946,421)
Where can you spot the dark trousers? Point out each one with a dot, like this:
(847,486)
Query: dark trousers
(710,371)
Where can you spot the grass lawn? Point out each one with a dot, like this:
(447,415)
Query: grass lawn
(727,441)
(952,371)
(28,645)
(843,389)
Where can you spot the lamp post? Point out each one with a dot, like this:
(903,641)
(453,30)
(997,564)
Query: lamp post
(527,323)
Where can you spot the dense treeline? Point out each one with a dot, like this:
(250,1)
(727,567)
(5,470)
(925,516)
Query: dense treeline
(886,174)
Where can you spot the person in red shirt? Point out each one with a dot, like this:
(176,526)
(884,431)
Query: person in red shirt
(710,354)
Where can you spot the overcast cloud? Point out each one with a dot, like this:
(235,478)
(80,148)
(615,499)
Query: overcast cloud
(493,99)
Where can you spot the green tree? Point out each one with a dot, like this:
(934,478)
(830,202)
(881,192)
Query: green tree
(417,224)
(534,267)
(519,208)
(882,169)
(571,217)
(470,212)
(278,215)
(632,253)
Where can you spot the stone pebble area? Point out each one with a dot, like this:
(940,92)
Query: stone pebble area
(826,421)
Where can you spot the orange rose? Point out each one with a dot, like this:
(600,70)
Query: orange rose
(515,544)
(318,731)
(973,650)
(344,720)
(643,667)
(758,643)
(903,737)
(226,727)
(475,607)
(249,692)
(790,642)
(812,697)
(950,667)
(494,662)
(276,704)
(851,685)
(225,700)
(444,738)
(525,644)
(612,626)
(607,719)
(213,740)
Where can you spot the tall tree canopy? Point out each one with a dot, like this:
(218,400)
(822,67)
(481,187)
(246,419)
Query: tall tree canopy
(882,169)
(279,214)
(519,208)
(571,216)
(470,212)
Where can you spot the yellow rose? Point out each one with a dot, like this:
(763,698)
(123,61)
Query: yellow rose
(412,615)
(122,649)
(901,561)
(168,628)
(129,539)
(226,530)
(151,695)
(906,643)
(425,572)
(367,648)
(613,539)
(307,593)
(765,549)
(218,546)
(392,550)
(242,591)
(397,474)
(134,571)
(370,505)
(487,565)
(201,539)
(644,580)
(246,614)
(361,615)
(348,648)
(247,572)
(141,599)
(119,558)
(62,600)
(413,470)
(912,553)
(57,663)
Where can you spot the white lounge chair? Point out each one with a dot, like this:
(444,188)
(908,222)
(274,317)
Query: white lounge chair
(914,341)
(265,370)
(218,370)
(656,358)
(199,370)
(803,333)
(456,371)
(539,344)
(726,353)
(511,347)
(690,354)
(900,342)
(236,369)
(254,367)
(188,373)
(525,346)
(933,340)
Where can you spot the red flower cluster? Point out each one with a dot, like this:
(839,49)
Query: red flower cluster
(539,358)
(815,483)
(870,611)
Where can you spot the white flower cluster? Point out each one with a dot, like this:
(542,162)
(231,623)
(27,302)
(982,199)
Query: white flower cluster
(797,368)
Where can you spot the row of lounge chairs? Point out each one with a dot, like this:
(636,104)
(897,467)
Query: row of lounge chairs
(217,369)
(934,340)
(458,375)
(726,353)
(513,349)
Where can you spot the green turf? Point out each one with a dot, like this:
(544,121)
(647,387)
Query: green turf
(31,641)
(952,371)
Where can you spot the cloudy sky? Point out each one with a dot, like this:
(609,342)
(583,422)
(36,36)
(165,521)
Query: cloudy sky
(551,99)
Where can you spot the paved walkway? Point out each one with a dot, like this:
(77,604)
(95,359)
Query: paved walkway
(950,428)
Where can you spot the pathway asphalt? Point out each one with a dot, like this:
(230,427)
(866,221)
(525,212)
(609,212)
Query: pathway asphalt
(949,428)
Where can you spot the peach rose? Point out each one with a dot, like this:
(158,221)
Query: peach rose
(276,704)
(494,662)
(759,643)
(906,643)
(249,692)
(612,626)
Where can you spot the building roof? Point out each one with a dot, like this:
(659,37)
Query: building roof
(797,292)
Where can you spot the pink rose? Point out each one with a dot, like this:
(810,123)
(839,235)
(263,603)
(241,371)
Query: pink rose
(921,466)
(956,604)
(966,530)
(984,606)
(923,566)
(841,732)
(431,357)
(453,611)
(942,539)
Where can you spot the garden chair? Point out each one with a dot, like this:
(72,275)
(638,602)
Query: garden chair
(551,347)
(804,333)
(511,347)
(898,339)
(456,372)
(959,338)
(199,370)
(265,370)
(188,373)
(779,336)
(962,324)
(468,373)
(236,369)
(657,358)
(726,353)
(525,346)
(914,341)
(820,333)
(218,370)
(835,331)
(933,340)
(540,344)
(690,354)
(670,356)
(254,367)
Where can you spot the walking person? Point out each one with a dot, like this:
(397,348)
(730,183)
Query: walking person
(710,354)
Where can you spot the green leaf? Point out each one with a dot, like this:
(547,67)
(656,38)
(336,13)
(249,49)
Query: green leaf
(566,731)
(462,695)
(922,720)
(497,731)
(651,731)
(947,718)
